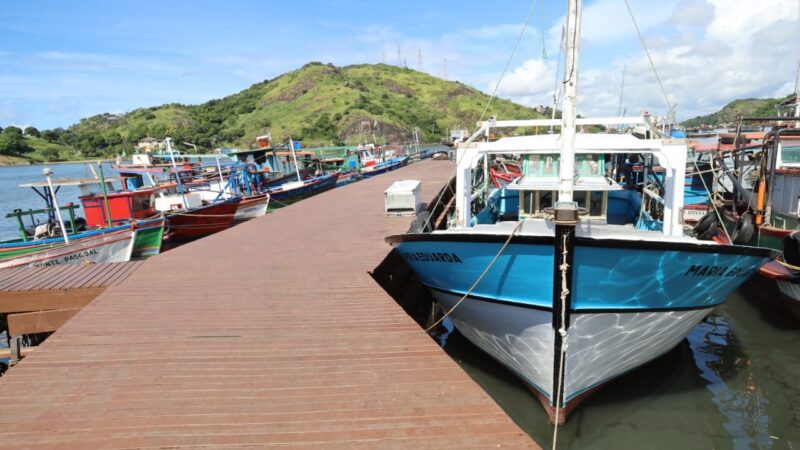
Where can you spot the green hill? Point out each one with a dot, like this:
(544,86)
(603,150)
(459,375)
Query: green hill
(318,103)
(730,113)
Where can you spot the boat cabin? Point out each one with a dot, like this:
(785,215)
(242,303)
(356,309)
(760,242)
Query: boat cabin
(538,185)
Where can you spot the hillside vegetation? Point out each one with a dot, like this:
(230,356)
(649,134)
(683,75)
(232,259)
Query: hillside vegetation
(729,115)
(319,104)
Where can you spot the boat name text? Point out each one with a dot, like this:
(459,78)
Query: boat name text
(67,259)
(444,257)
(699,270)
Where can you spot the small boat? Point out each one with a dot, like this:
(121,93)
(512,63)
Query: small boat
(562,296)
(293,191)
(185,224)
(383,166)
(113,244)
(56,241)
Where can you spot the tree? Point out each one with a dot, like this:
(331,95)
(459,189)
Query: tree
(13,130)
(49,154)
(13,143)
(52,135)
(31,131)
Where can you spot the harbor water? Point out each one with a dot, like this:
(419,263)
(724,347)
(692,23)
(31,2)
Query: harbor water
(734,383)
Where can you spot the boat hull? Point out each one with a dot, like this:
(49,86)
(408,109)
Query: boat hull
(102,246)
(371,171)
(251,207)
(149,236)
(200,222)
(631,301)
(283,197)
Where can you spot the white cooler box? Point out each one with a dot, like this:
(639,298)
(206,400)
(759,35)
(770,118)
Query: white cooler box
(401,197)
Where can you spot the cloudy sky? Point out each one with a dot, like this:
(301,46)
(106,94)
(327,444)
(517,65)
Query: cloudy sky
(61,61)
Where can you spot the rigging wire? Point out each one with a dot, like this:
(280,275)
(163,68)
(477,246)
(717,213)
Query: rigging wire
(649,58)
(510,58)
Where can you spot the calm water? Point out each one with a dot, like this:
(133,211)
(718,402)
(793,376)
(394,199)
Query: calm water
(13,197)
(734,383)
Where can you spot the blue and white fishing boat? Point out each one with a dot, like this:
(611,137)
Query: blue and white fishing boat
(565,296)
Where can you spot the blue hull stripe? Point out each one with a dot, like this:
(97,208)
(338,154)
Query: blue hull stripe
(606,278)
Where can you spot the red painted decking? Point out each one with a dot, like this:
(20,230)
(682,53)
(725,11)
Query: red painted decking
(271,333)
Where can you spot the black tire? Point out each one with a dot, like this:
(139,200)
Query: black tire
(744,229)
(791,249)
(706,227)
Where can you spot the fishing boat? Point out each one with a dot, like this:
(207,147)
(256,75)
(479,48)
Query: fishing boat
(388,165)
(765,212)
(56,241)
(562,296)
(113,244)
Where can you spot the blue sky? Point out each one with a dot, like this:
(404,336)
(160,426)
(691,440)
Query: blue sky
(61,61)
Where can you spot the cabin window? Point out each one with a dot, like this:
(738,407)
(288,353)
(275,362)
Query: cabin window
(540,165)
(533,203)
(141,202)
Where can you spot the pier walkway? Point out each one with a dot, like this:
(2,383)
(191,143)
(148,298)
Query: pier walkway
(271,333)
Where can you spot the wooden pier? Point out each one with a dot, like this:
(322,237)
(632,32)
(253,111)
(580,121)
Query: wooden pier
(271,333)
(41,299)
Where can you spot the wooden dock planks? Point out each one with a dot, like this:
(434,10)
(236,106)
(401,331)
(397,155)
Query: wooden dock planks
(271,333)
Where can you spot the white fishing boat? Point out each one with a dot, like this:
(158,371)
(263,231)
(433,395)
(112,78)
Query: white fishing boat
(566,295)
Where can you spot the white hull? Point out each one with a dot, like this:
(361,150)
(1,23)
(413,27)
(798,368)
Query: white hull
(601,346)
(250,212)
(105,248)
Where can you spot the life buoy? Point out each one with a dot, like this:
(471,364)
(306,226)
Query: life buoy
(706,227)
(744,229)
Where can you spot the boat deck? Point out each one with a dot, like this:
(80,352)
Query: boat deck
(271,333)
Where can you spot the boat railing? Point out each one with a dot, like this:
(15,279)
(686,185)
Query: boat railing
(18,214)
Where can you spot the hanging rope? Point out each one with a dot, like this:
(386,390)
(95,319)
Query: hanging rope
(510,58)
(649,58)
(563,332)
(480,278)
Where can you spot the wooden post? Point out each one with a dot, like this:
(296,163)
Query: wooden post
(14,344)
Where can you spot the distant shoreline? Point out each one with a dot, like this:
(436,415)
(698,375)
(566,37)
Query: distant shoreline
(12,161)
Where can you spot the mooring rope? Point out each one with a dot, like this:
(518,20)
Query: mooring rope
(480,278)
(563,332)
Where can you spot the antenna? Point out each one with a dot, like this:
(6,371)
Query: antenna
(621,90)
(399,56)
(445,69)
(419,59)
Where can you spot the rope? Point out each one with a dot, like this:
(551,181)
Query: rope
(787,265)
(563,332)
(649,58)
(480,278)
(510,58)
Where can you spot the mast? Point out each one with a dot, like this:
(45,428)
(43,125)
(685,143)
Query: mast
(566,171)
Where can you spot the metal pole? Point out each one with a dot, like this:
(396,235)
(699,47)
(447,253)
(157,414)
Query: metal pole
(567,160)
(294,157)
(47,172)
(105,192)
(177,174)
